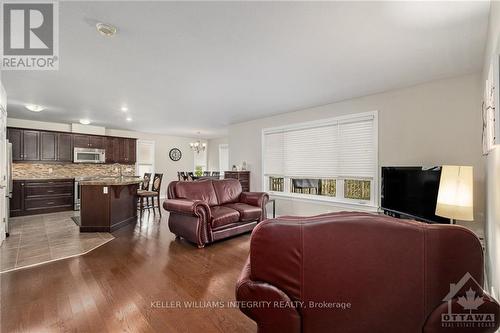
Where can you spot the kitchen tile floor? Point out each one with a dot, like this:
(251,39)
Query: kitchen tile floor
(40,238)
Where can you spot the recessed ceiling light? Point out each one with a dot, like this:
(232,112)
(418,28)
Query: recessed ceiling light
(129,119)
(106,30)
(84,121)
(124,108)
(35,107)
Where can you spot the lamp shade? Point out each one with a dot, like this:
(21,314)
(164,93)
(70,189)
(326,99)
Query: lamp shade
(455,197)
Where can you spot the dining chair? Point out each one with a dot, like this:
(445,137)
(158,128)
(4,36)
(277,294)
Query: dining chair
(144,185)
(154,193)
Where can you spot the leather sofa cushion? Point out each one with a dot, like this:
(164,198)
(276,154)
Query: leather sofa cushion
(247,212)
(199,190)
(227,190)
(223,215)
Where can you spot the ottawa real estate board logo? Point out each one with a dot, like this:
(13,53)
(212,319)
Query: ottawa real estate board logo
(465,305)
(30,35)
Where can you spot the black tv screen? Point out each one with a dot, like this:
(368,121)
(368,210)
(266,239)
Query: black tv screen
(411,191)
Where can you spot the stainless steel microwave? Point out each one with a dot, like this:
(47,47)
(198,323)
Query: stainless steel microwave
(89,155)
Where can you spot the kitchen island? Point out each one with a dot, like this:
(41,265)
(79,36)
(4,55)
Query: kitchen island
(108,203)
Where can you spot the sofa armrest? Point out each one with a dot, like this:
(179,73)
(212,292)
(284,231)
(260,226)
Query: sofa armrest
(187,207)
(263,303)
(434,323)
(258,199)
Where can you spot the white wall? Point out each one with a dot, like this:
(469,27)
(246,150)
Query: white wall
(163,144)
(430,124)
(492,225)
(213,152)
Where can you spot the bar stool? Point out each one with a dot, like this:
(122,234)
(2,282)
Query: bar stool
(154,193)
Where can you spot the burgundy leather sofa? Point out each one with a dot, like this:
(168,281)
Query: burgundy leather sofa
(209,210)
(359,272)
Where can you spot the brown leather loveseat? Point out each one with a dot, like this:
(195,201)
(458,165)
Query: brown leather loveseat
(209,210)
(358,273)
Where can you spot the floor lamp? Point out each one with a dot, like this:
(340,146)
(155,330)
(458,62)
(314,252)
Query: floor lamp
(455,196)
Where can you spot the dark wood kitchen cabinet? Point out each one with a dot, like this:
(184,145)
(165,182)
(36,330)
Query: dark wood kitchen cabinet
(81,141)
(127,151)
(31,197)
(64,147)
(88,141)
(48,146)
(15,137)
(120,150)
(97,142)
(112,150)
(31,145)
(16,204)
(25,144)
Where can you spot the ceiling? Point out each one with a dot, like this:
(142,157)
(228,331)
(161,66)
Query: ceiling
(183,67)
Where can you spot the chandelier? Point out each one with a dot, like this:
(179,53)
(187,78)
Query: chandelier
(198,146)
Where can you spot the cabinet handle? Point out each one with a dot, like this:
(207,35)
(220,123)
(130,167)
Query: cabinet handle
(50,203)
(50,191)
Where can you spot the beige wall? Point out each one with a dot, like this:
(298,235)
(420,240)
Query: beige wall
(492,224)
(163,144)
(430,124)
(213,152)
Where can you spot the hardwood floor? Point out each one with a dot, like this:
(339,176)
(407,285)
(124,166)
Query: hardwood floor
(127,285)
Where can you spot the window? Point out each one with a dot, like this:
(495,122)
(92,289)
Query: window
(223,157)
(333,159)
(200,160)
(145,157)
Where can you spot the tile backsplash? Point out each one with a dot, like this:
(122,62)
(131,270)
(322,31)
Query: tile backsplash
(68,170)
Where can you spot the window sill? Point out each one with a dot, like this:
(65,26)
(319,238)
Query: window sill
(328,201)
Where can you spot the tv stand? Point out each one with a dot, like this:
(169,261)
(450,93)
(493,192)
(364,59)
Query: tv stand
(404,216)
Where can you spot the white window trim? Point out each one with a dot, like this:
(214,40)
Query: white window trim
(373,204)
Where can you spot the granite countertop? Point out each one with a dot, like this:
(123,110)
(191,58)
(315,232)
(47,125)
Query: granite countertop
(110,181)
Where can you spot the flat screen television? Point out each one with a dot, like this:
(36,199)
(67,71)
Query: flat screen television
(411,192)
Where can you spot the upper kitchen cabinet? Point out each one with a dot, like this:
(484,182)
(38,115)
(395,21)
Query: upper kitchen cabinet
(132,151)
(97,142)
(81,141)
(15,137)
(112,150)
(88,141)
(127,151)
(31,145)
(48,146)
(25,144)
(65,147)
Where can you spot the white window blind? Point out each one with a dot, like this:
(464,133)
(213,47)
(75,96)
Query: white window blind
(339,147)
(357,149)
(311,152)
